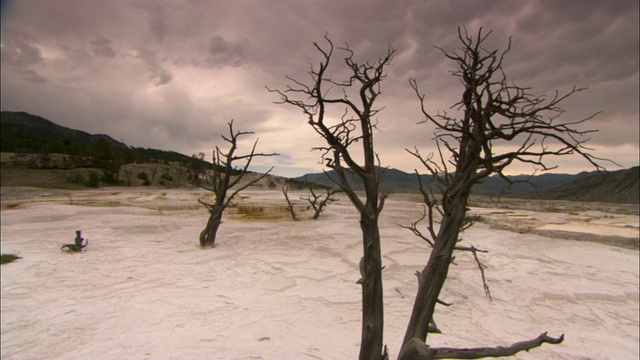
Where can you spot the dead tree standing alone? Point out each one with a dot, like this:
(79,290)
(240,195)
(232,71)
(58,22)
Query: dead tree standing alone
(225,176)
(285,192)
(319,201)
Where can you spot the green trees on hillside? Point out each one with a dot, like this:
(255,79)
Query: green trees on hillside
(23,133)
(104,159)
(196,169)
(17,138)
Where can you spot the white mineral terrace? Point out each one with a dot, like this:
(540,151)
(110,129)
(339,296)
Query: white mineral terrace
(278,289)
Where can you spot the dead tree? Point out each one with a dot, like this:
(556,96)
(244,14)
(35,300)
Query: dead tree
(469,221)
(492,112)
(224,177)
(79,243)
(354,98)
(319,201)
(285,192)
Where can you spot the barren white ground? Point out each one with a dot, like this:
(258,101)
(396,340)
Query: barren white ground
(278,289)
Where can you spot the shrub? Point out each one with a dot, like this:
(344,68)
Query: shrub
(164,178)
(145,178)
(94,180)
(7,258)
(109,178)
(76,178)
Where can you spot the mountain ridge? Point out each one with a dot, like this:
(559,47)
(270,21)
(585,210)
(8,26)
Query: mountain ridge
(39,135)
(16,121)
(397,180)
(621,186)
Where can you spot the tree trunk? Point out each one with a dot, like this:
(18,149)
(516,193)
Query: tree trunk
(208,235)
(372,301)
(317,213)
(435,273)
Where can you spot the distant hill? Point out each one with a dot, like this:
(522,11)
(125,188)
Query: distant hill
(30,134)
(495,185)
(394,180)
(26,133)
(617,187)
(622,186)
(400,181)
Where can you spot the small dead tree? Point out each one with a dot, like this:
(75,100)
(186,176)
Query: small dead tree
(79,243)
(355,97)
(319,201)
(285,192)
(224,177)
(493,112)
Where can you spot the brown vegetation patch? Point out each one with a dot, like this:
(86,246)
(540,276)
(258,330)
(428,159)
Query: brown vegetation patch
(619,241)
(10,205)
(262,212)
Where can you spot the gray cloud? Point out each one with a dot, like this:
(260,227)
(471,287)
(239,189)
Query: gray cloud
(156,17)
(226,52)
(19,49)
(158,74)
(173,73)
(102,47)
(29,75)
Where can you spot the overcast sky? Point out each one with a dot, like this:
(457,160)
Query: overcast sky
(171,74)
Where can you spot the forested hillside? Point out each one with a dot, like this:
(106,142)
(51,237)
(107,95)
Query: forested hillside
(30,134)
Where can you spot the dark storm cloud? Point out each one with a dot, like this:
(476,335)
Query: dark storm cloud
(158,74)
(102,47)
(226,52)
(156,17)
(31,76)
(19,49)
(584,42)
(175,72)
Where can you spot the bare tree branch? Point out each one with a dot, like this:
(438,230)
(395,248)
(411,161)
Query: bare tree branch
(318,202)
(418,350)
(433,237)
(355,99)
